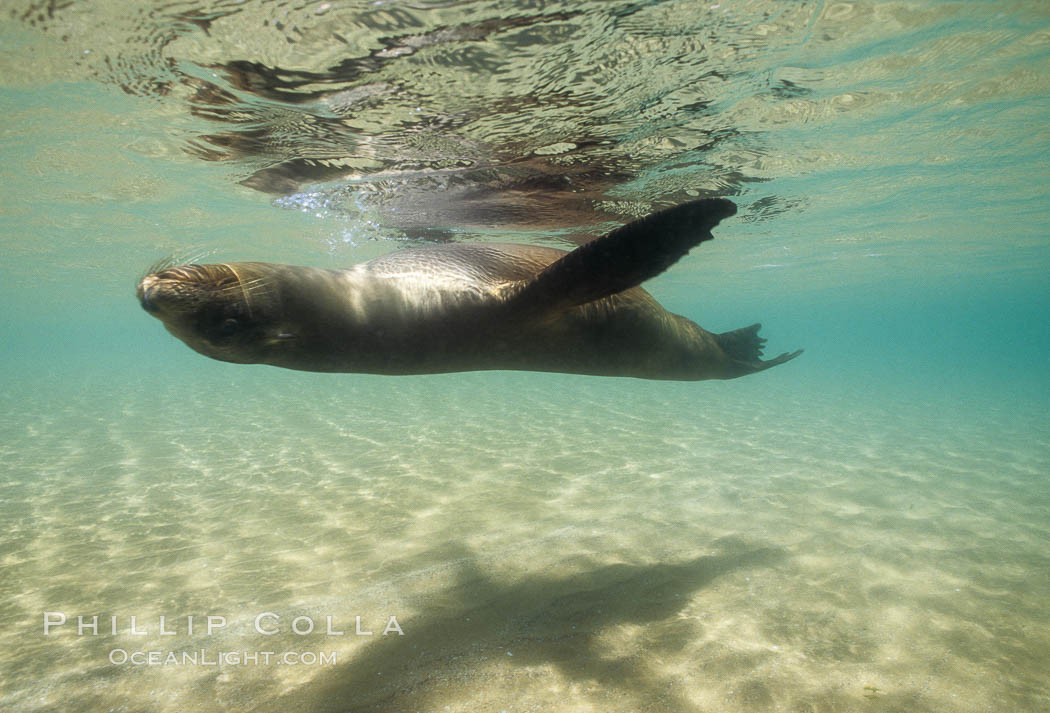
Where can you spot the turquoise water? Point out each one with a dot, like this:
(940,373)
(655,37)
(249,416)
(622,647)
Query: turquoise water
(863,529)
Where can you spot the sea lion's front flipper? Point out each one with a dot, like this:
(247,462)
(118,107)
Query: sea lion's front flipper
(623,258)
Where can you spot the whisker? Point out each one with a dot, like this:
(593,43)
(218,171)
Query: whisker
(162,264)
(178,259)
(251,286)
(237,286)
(196,256)
(247,297)
(259,283)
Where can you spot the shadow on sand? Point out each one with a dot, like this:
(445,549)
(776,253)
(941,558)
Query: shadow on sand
(448,651)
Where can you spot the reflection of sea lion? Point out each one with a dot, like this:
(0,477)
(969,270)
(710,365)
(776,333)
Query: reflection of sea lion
(464,307)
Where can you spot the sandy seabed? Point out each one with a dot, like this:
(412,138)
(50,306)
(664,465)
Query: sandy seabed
(544,543)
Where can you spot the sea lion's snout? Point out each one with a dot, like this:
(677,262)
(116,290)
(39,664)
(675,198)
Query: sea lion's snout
(158,294)
(181,289)
(146,292)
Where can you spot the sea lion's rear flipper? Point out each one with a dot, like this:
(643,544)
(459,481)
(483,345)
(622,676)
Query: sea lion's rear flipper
(744,347)
(623,258)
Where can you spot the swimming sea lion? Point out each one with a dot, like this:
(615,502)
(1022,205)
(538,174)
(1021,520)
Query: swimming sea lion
(464,307)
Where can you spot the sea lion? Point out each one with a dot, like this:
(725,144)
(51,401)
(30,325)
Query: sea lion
(464,307)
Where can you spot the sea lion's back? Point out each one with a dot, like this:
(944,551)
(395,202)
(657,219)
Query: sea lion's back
(491,265)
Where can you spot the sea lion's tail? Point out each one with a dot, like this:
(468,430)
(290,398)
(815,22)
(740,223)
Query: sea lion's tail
(744,348)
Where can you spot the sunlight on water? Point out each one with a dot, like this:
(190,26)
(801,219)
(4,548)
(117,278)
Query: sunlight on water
(862,529)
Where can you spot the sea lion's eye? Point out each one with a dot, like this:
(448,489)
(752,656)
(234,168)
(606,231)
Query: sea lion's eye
(228,327)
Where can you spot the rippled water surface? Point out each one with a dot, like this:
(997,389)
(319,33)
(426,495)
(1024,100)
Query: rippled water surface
(865,528)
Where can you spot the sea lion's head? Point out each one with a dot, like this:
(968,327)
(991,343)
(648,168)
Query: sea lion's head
(227,312)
